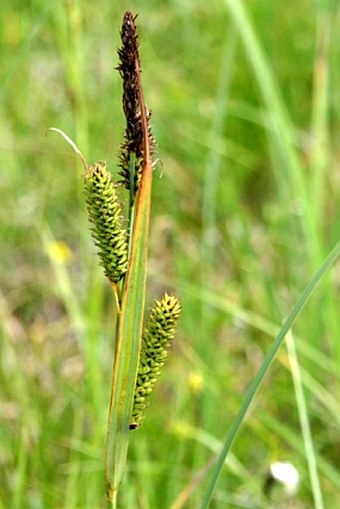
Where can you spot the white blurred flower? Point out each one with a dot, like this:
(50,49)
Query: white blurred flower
(286,474)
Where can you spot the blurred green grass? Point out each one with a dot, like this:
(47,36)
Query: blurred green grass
(245,207)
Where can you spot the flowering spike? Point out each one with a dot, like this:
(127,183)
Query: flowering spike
(158,334)
(131,153)
(105,211)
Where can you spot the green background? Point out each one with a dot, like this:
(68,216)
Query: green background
(245,110)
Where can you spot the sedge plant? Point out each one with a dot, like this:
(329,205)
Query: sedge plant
(141,346)
(140,349)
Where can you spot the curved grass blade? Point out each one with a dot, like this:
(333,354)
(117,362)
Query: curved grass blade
(254,386)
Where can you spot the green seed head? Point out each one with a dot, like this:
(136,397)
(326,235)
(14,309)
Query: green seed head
(158,334)
(105,213)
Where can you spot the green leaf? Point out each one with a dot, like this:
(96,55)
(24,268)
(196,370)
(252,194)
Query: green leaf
(254,386)
(129,332)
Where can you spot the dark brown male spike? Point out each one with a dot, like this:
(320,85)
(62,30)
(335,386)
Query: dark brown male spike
(132,150)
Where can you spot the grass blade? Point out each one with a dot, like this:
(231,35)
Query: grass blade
(304,422)
(254,386)
(129,331)
(291,179)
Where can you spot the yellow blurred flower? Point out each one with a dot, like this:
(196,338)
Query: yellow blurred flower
(195,382)
(59,252)
(181,429)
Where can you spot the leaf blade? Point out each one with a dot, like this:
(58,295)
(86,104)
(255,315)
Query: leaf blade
(130,328)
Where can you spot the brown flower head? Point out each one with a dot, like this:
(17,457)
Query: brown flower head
(131,154)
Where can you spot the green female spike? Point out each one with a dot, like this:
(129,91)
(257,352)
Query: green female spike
(105,213)
(158,334)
